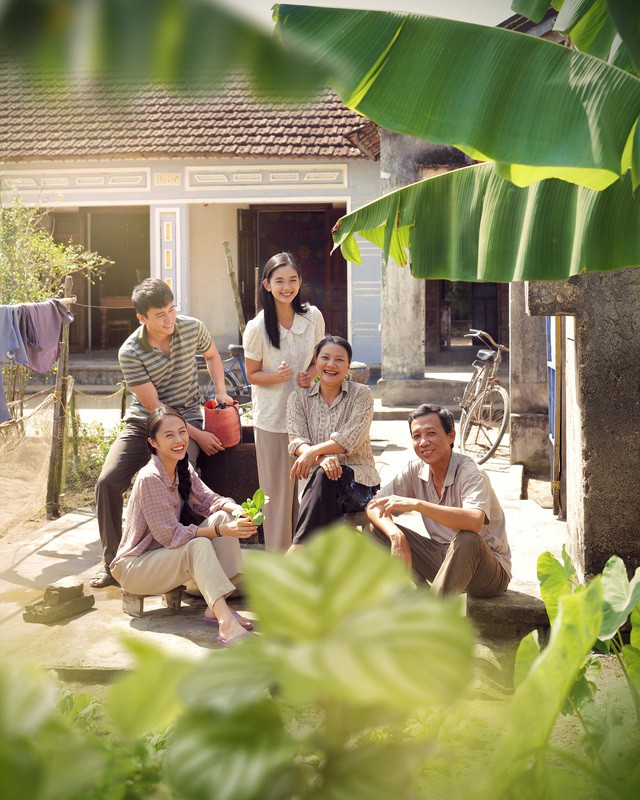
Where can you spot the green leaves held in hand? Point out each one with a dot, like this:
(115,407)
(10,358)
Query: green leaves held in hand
(556,579)
(258,499)
(343,620)
(147,698)
(253,505)
(620,596)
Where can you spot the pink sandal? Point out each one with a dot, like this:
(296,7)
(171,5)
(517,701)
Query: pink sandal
(246,623)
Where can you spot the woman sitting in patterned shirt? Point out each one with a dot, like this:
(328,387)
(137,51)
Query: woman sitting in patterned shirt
(166,540)
(328,426)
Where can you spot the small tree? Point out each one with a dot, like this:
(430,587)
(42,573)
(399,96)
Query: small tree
(33,268)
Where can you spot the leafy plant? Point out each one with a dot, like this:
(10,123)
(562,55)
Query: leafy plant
(359,688)
(252,507)
(611,744)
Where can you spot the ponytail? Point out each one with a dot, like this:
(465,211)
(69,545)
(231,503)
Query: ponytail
(187,515)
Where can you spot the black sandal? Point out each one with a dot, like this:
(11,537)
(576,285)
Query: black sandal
(102,579)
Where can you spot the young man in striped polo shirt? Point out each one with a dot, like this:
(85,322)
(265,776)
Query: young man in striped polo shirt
(158,362)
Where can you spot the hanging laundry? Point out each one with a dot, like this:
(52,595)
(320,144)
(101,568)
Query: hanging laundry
(40,326)
(11,349)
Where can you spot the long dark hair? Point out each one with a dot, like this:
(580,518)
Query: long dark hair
(265,298)
(187,515)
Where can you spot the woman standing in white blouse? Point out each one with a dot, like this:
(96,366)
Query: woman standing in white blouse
(279,346)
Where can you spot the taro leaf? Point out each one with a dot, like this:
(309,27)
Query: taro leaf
(584,688)
(617,743)
(27,699)
(303,596)
(21,772)
(556,579)
(147,698)
(258,499)
(619,596)
(367,772)
(541,696)
(528,651)
(341,617)
(631,656)
(227,681)
(237,756)
(635,627)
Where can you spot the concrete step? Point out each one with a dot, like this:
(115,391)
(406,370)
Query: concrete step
(510,616)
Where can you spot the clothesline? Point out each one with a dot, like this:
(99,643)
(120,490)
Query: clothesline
(197,291)
(30,336)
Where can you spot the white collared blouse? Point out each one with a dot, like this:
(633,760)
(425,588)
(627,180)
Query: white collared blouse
(297,346)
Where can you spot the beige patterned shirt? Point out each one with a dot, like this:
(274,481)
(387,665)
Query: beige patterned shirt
(465,486)
(346,421)
(297,346)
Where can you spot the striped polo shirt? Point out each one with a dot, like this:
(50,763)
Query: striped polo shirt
(174,376)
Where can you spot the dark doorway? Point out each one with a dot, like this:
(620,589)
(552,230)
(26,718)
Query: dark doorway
(104,315)
(304,231)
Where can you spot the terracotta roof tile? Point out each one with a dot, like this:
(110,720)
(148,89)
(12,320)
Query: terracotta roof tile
(92,122)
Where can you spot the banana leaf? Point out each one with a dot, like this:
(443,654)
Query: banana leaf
(471,225)
(540,109)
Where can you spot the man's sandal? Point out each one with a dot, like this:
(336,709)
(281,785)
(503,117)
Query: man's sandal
(102,579)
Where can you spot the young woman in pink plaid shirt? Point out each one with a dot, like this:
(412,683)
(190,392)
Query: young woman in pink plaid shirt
(180,532)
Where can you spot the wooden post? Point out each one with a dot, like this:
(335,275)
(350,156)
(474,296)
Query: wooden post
(123,402)
(234,287)
(56,459)
(256,287)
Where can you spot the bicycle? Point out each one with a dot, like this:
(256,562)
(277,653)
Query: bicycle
(236,387)
(484,403)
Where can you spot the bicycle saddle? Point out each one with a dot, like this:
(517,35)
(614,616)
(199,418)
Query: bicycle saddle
(487,355)
(236,349)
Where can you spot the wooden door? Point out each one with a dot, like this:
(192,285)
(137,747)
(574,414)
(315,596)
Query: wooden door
(71,226)
(247,259)
(336,321)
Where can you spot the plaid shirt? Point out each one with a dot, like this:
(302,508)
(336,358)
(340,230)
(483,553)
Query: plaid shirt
(153,513)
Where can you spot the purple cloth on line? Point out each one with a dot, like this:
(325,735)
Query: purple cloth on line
(40,326)
(11,349)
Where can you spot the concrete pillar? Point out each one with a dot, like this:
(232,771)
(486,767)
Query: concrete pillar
(601,463)
(405,160)
(169,234)
(529,438)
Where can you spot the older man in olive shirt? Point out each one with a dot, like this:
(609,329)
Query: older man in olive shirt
(466,549)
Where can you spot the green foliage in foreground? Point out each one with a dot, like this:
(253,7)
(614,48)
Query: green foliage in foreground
(359,688)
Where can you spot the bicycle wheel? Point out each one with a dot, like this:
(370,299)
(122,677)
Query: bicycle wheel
(231,384)
(485,424)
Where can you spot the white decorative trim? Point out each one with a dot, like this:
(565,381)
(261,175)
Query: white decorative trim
(79,180)
(168,266)
(268,175)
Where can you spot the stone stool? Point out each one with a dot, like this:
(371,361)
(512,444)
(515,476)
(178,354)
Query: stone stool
(357,520)
(133,604)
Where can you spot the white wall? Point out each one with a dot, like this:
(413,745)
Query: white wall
(210,292)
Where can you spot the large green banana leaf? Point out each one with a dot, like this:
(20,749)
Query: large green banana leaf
(608,29)
(471,225)
(539,109)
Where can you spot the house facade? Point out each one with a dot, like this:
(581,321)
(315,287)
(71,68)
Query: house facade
(157,183)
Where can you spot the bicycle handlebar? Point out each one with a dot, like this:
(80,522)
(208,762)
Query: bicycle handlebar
(489,339)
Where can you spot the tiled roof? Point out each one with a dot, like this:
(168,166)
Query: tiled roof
(55,123)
